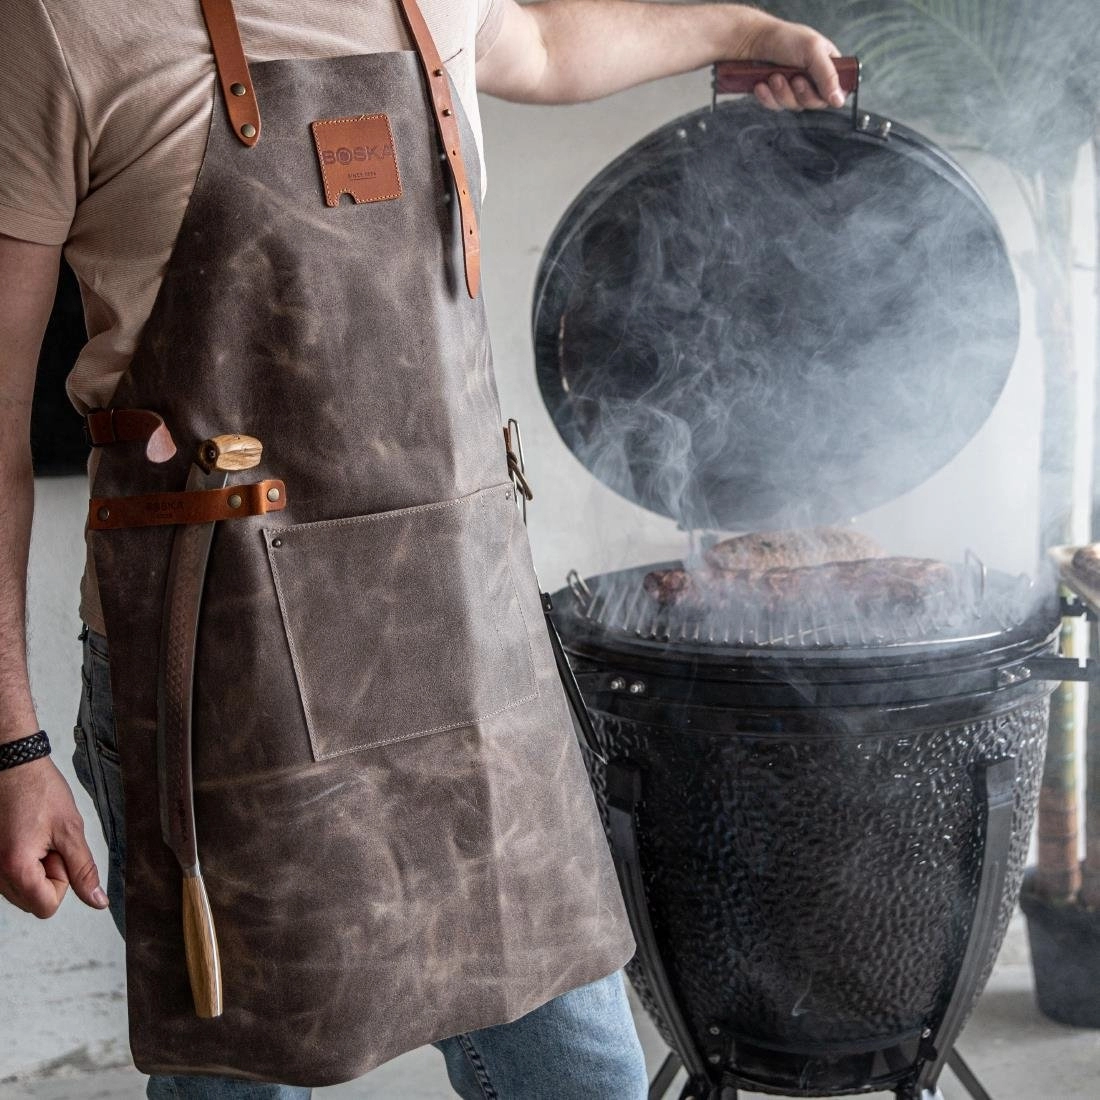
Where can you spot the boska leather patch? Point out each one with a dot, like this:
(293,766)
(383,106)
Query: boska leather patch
(357,158)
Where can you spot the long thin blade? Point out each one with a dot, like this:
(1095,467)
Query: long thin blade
(176,675)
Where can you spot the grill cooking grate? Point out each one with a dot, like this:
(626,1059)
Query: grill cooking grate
(978,605)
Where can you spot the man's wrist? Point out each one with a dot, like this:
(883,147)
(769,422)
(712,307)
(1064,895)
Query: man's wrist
(16,721)
(745,27)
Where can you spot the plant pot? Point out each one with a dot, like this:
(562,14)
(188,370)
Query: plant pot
(1065,956)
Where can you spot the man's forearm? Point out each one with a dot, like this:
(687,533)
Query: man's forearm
(596,47)
(28,277)
(17,715)
(565,51)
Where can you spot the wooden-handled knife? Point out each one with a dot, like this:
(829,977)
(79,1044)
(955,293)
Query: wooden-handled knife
(216,459)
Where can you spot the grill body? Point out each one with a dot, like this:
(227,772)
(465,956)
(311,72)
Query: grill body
(813,835)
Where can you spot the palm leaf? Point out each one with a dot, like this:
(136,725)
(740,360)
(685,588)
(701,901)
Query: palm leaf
(1016,78)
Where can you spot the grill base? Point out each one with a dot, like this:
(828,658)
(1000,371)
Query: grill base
(812,900)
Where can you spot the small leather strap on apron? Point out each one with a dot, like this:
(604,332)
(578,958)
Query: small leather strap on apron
(233,74)
(244,111)
(447,125)
(201,506)
(102,427)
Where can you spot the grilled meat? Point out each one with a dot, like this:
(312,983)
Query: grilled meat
(865,585)
(672,587)
(1086,563)
(771,549)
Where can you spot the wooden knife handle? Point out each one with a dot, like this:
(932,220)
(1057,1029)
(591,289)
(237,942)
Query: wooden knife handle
(200,945)
(740,77)
(230,452)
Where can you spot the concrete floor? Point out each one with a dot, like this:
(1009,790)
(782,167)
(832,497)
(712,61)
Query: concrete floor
(1016,1052)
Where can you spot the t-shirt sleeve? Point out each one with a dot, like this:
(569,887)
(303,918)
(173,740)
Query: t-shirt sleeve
(490,16)
(42,136)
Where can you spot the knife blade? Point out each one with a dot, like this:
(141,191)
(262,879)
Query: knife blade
(217,458)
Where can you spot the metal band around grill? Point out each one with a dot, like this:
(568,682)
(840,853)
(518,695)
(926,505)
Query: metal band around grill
(196,506)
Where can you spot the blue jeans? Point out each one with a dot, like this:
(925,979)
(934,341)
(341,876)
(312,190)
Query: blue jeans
(579,1046)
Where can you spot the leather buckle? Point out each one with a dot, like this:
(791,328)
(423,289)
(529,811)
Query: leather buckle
(88,440)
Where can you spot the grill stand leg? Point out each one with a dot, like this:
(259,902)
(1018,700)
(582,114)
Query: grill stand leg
(663,1081)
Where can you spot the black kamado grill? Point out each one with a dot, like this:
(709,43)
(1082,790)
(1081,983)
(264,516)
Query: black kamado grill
(820,819)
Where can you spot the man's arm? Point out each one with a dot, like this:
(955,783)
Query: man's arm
(42,845)
(566,51)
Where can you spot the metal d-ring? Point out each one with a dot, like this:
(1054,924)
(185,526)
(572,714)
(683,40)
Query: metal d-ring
(513,446)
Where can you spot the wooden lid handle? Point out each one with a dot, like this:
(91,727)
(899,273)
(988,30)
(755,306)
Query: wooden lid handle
(740,77)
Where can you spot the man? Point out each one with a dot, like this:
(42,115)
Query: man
(106,122)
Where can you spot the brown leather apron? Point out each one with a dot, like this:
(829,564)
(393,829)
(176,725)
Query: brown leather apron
(395,824)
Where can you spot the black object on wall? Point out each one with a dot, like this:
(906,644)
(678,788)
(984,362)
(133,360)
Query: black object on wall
(57,436)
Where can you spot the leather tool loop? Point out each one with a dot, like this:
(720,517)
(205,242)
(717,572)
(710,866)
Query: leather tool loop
(446,123)
(233,74)
(102,427)
(196,506)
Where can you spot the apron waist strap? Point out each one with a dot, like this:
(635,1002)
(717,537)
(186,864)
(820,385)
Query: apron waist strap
(102,427)
(189,506)
(244,111)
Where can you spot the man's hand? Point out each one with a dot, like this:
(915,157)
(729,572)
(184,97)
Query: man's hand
(565,51)
(800,46)
(42,845)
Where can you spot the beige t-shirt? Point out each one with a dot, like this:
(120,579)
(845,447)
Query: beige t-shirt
(105,107)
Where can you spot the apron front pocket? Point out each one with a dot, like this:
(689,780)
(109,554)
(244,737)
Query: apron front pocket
(403,623)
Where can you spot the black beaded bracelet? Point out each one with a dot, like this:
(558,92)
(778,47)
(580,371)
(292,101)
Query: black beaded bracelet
(24,750)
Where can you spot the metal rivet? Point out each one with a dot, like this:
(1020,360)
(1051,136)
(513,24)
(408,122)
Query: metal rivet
(637,688)
(237,89)
(248,130)
(437,72)
(447,112)
(714,1029)
(617,684)
(276,543)
(235,500)
(273,494)
(714,1059)
(926,1033)
(104,513)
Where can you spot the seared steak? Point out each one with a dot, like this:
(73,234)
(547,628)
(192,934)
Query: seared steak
(869,584)
(770,549)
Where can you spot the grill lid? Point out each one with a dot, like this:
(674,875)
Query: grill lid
(752,320)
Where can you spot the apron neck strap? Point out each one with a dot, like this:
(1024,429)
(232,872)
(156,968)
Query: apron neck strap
(446,122)
(233,74)
(244,111)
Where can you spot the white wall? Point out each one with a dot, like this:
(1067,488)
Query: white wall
(61,985)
